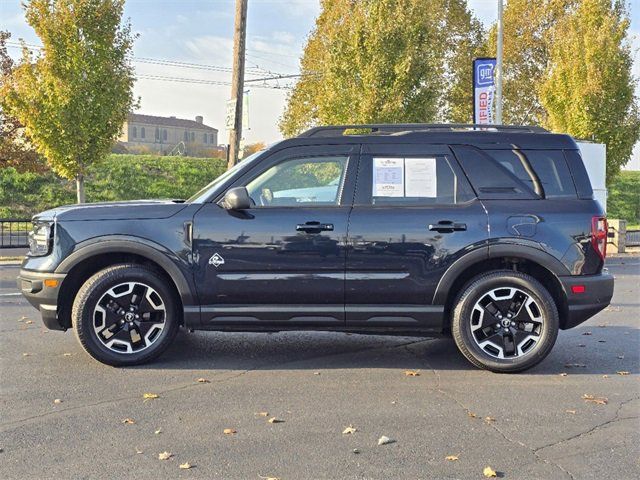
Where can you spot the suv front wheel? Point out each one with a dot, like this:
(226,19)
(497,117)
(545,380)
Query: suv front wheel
(125,315)
(505,321)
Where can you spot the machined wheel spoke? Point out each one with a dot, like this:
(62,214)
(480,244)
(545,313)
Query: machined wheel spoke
(506,322)
(129,317)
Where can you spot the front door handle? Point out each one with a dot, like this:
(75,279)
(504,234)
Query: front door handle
(314,227)
(447,226)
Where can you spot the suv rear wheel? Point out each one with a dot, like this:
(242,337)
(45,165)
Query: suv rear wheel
(505,321)
(125,315)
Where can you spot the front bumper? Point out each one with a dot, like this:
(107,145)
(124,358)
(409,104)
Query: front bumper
(598,290)
(43,297)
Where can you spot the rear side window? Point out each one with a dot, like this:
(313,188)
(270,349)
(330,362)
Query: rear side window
(544,171)
(416,181)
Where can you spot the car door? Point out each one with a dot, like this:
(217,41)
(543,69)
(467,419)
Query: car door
(283,260)
(413,216)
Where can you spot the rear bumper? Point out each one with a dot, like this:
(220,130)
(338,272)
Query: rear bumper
(598,290)
(41,296)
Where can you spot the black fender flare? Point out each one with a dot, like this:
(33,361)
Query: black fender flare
(512,250)
(165,258)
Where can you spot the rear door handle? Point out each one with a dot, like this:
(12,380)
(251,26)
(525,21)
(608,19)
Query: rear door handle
(447,226)
(314,227)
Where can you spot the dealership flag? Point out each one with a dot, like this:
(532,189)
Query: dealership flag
(483,89)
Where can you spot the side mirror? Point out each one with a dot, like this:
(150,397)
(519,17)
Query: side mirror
(237,199)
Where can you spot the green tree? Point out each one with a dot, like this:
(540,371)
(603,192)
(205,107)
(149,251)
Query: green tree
(385,61)
(15,150)
(529,31)
(74,96)
(589,90)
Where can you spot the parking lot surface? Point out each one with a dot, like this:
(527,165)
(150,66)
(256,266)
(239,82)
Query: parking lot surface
(576,415)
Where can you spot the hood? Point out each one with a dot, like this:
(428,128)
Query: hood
(129,210)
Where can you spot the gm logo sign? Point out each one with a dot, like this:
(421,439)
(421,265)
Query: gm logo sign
(484,74)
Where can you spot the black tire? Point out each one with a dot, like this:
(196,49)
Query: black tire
(84,306)
(475,291)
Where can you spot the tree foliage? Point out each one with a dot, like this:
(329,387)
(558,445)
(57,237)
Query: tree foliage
(74,96)
(589,91)
(15,150)
(385,61)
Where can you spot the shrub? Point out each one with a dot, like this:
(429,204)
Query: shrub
(624,197)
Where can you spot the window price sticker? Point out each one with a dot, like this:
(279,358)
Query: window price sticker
(388,177)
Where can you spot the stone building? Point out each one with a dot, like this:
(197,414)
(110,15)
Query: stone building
(163,135)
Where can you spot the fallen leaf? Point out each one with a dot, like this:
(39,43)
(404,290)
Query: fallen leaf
(25,354)
(623,373)
(564,374)
(471,414)
(605,376)
(185,466)
(489,419)
(158,431)
(451,458)
(587,333)
(349,429)
(489,472)
(138,451)
(165,456)
(594,399)
(262,414)
(572,412)
(602,326)
(385,440)
(356,451)
(269,478)
(202,380)
(229,431)
(29,322)
(128,421)
(275,420)
(67,354)
(57,401)
(316,373)
(412,373)
(620,357)
(150,396)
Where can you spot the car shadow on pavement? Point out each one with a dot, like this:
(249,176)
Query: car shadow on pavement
(582,350)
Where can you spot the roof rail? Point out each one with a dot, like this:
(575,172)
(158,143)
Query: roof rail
(391,128)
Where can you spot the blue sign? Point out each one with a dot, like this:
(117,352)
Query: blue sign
(483,89)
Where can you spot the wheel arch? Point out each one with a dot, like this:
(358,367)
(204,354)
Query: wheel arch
(91,257)
(537,263)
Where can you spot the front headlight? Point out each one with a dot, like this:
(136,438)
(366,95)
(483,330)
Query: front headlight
(40,239)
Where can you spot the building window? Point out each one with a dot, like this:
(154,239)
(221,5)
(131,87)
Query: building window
(205,138)
(134,132)
(164,134)
(193,136)
(157,133)
(211,141)
(142,132)
(186,136)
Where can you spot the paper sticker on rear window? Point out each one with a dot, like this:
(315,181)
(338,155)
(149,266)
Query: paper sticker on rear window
(388,177)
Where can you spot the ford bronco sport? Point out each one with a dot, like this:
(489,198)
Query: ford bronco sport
(490,234)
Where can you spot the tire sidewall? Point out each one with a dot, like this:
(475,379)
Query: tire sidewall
(92,292)
(482,285)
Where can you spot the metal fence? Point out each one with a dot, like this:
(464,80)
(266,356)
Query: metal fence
(14,232)
(633,238)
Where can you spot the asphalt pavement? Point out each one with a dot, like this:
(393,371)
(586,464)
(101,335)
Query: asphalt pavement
(63,415)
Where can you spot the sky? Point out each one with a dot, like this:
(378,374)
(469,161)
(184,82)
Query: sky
(200,32)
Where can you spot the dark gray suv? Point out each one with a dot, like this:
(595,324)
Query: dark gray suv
(487,233)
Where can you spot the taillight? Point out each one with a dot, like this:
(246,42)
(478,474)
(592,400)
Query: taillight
(599,229)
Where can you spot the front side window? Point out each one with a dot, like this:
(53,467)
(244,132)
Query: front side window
(300,182)
(416,181)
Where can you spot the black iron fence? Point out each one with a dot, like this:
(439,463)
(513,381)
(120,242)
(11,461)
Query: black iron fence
(14,232)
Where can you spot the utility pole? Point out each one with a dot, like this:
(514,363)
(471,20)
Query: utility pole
(237,83)
(499,67)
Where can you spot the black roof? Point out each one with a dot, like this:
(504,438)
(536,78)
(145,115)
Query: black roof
(482,136)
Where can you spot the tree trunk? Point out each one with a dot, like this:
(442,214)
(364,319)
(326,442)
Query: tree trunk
(80,188)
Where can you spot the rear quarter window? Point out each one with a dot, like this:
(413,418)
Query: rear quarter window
(544,171)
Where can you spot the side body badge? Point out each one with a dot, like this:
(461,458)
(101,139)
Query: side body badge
(216,260)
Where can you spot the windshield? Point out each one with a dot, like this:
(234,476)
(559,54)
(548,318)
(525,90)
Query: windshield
(202,194)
